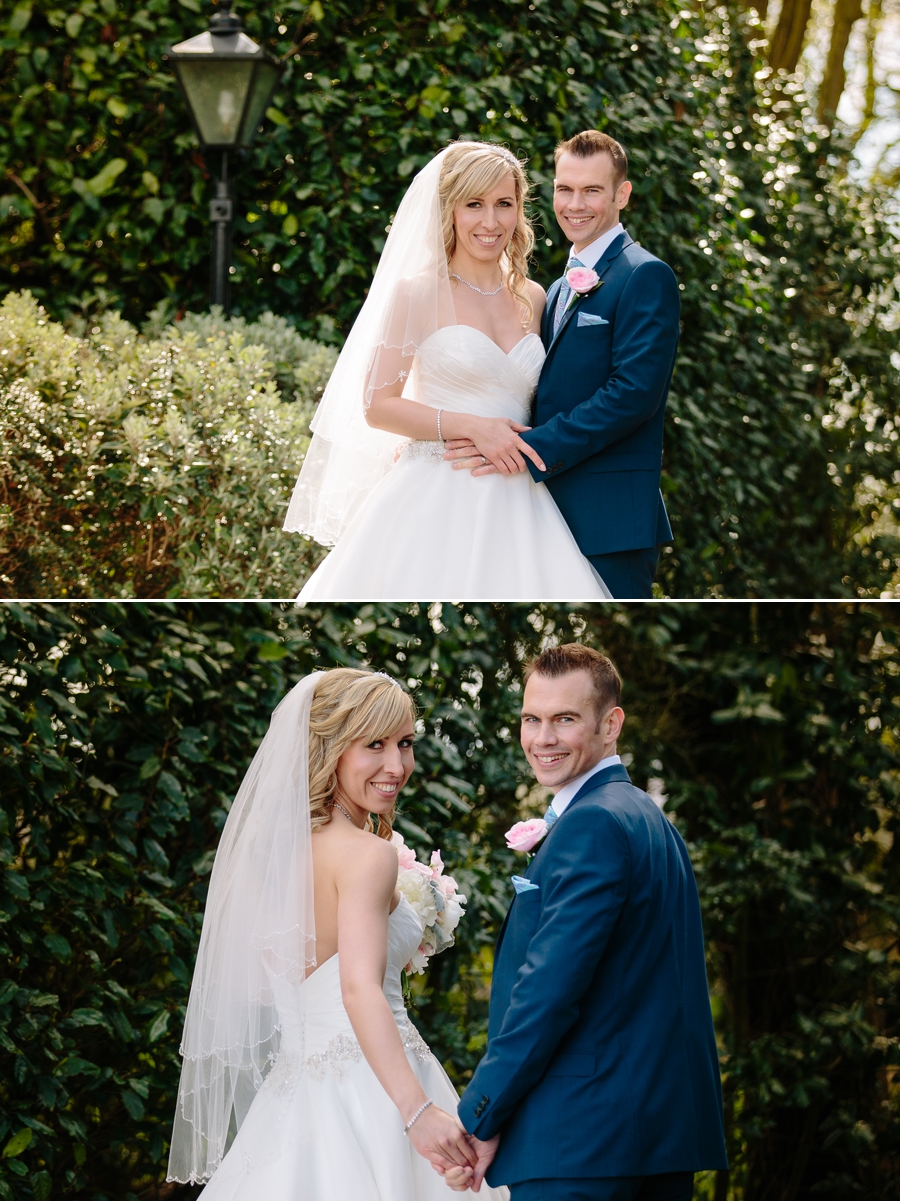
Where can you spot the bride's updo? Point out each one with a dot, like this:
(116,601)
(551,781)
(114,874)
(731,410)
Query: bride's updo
(469,170)
(349,704)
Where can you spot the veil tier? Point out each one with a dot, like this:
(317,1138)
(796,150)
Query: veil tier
(258,929)
(409,300)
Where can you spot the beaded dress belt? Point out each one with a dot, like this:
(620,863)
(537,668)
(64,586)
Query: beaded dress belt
(432,451)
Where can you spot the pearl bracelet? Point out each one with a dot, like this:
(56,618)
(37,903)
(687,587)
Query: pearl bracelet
(416,1116)
(440,435)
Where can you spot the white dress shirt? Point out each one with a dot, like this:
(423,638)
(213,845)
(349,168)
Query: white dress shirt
(569,791)
(592,253)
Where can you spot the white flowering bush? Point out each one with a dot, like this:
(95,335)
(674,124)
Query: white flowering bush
(161,465)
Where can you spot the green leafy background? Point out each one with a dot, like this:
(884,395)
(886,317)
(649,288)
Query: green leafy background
(772,732)
(783,409)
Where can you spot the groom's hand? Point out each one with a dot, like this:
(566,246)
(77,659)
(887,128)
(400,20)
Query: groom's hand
(485,1152)
(464,456)
(459,1178)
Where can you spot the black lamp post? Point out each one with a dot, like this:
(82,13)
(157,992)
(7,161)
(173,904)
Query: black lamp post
(226,80)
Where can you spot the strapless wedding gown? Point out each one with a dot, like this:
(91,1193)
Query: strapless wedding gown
(321,1127)
(428,532)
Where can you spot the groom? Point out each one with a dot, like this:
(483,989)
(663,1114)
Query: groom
(601,399)
(601,1079)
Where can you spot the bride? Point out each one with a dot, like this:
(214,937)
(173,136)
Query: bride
(303,1076)
(445,347)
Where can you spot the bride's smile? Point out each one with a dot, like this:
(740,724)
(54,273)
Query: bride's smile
(370,775)
(484,226)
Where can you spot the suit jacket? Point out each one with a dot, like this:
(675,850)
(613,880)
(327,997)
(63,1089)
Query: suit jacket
(601,402)
(601,1056)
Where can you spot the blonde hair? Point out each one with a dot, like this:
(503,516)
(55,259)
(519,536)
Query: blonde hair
(349,704)
(469,170)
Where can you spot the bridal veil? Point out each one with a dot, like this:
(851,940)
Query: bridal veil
(409,300)
(258,928)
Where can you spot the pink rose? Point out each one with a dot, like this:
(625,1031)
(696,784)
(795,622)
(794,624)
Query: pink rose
(437,864)
(447,885)
(582,279)
(405,854)
(524,835)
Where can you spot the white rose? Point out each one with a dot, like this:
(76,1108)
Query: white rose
(417,890)
(417,964)
(453,911)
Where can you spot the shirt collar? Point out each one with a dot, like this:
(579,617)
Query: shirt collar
(569,791)
(595,250)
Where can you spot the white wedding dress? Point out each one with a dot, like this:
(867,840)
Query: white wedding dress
(428,532)
(321,1127)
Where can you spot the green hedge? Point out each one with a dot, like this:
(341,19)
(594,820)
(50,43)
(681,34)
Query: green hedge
(782,435)
(772,731)
(152,465)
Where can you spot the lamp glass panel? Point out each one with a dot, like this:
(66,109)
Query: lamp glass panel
(264,81)
(217,93)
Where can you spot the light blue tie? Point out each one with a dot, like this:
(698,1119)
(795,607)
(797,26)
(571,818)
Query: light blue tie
(563,298)
(551,816)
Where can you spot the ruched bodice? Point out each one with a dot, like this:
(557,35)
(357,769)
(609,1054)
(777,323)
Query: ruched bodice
(461,369)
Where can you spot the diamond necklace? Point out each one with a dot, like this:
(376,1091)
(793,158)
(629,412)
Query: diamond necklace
(338,805)
(453,275)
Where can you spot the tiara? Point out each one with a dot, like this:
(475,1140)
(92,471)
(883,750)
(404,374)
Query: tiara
(385,675)
(506,153)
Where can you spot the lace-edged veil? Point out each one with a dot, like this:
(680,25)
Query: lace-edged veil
(409,300)
(258,928)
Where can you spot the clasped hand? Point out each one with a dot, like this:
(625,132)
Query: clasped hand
(495,439)
(461,1178)
(439,1138)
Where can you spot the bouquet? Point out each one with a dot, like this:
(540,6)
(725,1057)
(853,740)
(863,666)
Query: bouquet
(435,898)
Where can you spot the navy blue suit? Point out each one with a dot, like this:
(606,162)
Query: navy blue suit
(601,402)
(601,1058)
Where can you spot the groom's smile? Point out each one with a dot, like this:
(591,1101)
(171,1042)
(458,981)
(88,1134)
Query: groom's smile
(562,734)
(587,197)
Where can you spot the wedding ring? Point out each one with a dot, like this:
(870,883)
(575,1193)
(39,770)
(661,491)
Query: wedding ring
(483,461)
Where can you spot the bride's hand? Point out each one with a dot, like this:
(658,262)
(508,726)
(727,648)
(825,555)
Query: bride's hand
(441,1140)
(459,1179)
(496,440)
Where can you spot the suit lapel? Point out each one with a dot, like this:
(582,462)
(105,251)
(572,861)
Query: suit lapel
(607,776)
(616,772)
(603,264)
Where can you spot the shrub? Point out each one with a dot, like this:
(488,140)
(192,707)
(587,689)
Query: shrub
(152,466)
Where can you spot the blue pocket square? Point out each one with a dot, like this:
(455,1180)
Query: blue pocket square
(591,319)
(520,884)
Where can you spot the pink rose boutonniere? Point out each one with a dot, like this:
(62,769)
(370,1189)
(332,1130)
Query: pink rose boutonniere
(581,280)
(525,835)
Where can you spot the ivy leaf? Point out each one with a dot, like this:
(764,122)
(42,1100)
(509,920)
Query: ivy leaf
(272,652)
(58,947)
(104,180)
(17,1144)
(21,15)
(158,1026)
(131,1101)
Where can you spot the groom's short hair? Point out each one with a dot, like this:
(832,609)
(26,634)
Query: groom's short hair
(558,661)
(590,142)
